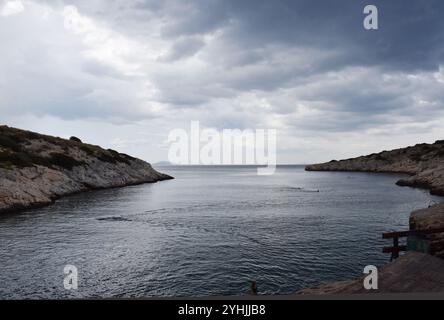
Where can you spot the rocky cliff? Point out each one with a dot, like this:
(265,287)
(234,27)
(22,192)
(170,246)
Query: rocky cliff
(425,165)
(423,162)
(412,272)
(37,169)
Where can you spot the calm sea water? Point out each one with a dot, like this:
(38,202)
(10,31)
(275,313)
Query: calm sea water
(209,232)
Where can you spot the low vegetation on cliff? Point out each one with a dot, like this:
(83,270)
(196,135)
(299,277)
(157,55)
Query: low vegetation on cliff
(35,169)
(22,149)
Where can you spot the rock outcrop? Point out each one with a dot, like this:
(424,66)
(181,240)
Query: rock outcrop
(37,169)
(413,272)
(431,218)
(423,162)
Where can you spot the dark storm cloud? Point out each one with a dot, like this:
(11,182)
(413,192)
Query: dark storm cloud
(217,59)
(410,37)
(252,34)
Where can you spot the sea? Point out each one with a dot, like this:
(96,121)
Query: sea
(209,232)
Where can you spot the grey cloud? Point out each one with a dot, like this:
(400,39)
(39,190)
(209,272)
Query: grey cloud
(288,52)
(183,48)
(410,36)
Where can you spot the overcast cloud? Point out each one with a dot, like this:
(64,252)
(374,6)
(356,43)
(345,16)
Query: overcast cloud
(123,73)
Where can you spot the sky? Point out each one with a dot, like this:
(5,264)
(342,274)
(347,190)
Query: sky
(124,73)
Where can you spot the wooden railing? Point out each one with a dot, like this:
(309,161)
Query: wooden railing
(396,248)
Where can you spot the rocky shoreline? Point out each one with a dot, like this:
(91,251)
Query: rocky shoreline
(425,165)
(36,170)
(423,162)
(412,272)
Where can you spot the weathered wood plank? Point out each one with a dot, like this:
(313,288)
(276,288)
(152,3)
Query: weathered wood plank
(403,234)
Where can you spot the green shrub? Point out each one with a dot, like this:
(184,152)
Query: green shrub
(37,160)
(107,158)
(113,152)
(29,135)
(18,159)
(9,143)
(64,161)
(88,150)
(75,139)
(123,159)
(440,152)
(126,157)
(23,160)
(6,165)
(112,156)
(416,157)
(380,157)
